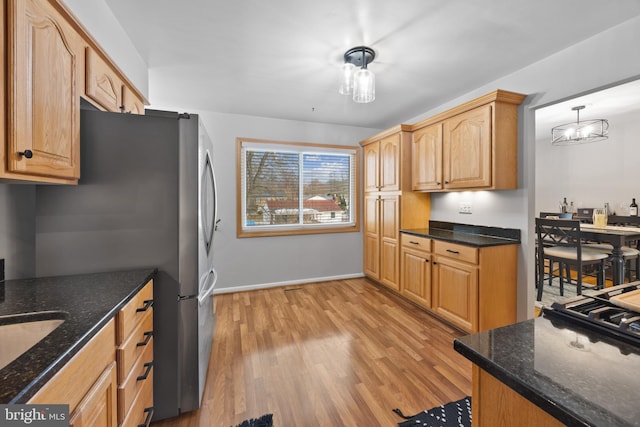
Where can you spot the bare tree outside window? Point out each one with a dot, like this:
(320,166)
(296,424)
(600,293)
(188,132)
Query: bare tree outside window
(289,185)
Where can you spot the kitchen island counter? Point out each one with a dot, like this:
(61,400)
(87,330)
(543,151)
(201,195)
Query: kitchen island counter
(90,301)
(579,376)
(465,234)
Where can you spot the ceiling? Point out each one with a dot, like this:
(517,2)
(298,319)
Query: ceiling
(280,58)
(607,104)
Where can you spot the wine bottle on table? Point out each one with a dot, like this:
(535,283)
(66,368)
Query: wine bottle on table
(633,208)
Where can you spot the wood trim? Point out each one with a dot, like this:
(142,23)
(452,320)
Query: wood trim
(357,203)
(385,133)
(495,96)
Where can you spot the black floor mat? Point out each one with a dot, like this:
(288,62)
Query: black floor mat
(452,414)
(263,421)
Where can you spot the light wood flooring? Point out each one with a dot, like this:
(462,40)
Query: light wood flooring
(338,353)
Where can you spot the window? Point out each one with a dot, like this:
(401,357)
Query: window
(295,188)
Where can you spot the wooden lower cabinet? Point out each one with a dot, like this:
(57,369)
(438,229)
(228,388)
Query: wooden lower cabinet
(455,292)
(472,288)
(390,240)
(107,386)
(494,404)
(381,239)
(87,383)
(416,269)
(98,408)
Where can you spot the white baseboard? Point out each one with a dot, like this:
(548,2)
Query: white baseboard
(244,288)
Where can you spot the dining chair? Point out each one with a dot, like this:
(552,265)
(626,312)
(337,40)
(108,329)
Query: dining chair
(555,215)
(559,241)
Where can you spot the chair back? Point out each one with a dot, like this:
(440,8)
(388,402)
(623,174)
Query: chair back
(558,232)
(556,215)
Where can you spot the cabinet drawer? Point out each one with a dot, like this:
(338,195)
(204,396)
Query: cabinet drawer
(134,346)
(132,313)
(455,251)
(415,242)
(139,374)
(142,407)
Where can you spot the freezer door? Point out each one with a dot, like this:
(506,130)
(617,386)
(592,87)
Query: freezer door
(196,324)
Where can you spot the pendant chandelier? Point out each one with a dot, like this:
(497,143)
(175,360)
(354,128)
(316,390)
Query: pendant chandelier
(580,132)
(361,84)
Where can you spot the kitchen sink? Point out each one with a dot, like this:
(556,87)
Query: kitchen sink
(20,332)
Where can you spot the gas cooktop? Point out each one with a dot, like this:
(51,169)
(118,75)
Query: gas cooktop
(599,310)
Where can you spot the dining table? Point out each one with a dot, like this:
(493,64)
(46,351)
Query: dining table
(617,236)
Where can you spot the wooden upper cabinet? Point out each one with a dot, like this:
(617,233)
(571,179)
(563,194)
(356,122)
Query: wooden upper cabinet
(130,102)
(390,163)
(105,89)
(43,108)
(371,154)
(472,146)
(49,61)
(466,146)
(382,164)
(426,158)
(103,86)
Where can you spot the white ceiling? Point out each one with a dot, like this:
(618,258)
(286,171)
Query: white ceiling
(280,58)
(600,104)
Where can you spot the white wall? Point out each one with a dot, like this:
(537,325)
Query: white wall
(99,20)
(591,174)
(266,261)
(562,75)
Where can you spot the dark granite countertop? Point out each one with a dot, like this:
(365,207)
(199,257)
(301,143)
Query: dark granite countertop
(89,302)
(471,235)
(580,376)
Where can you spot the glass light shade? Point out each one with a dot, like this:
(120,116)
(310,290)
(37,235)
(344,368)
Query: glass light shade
(580,132)
(364,86)
(346,78)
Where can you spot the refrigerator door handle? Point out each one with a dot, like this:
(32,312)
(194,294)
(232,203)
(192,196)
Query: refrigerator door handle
(209,291)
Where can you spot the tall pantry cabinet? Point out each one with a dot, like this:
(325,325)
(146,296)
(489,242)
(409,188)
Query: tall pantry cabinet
(389,203)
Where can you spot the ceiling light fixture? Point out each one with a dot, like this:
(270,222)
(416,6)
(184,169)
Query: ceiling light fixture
(359,83)
(580,132)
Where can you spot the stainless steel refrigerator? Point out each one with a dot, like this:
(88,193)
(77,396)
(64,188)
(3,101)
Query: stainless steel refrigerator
(146,198)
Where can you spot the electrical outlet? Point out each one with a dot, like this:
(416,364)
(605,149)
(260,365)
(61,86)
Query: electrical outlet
(465,208)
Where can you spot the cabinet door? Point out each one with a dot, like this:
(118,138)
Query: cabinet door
(371,236)
(416,276)
(131,103)
(426,158)
(43,103)
(371,167)
(390,163)
(389,243)
(467,149)
(102,85)
(98,408)
(455,292)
